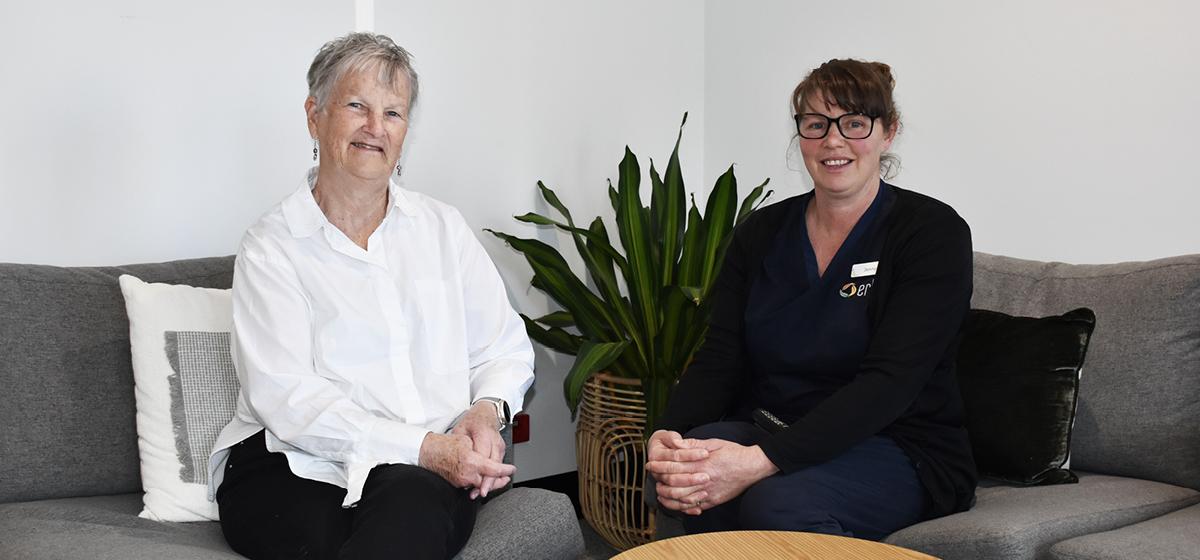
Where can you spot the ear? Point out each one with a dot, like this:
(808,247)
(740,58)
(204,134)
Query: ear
(310,109)
(890,135)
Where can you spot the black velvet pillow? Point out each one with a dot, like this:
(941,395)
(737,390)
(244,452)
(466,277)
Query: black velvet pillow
(1019,378)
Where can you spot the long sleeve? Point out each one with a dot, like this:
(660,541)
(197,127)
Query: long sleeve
(500,354)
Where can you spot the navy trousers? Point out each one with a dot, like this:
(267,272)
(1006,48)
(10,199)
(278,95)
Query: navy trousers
(405,512)
(868,492)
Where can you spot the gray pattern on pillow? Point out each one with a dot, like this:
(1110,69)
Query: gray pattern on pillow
(204,389)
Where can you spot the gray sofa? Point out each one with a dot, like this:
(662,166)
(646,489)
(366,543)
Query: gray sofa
(69,480)
(1136,440)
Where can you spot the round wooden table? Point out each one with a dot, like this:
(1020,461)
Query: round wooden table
(758,545)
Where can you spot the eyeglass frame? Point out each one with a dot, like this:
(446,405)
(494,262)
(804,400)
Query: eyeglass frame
(837,122)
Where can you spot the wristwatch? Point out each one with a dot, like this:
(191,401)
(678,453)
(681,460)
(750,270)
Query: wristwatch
(503,417)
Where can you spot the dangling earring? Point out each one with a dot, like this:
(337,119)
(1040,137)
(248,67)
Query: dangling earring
(397,169)
(314,149)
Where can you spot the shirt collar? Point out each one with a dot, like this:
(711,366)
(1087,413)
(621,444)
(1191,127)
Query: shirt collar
(304,217)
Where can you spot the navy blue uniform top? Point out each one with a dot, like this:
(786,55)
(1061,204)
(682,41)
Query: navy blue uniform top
(842,357)
(807,333)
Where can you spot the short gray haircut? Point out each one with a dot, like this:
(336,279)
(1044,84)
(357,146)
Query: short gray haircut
(357,52)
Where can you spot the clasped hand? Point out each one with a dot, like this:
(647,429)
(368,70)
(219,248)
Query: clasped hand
(693,475)
(471,455)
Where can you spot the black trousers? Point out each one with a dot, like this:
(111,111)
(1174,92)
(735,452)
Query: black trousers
(405,511)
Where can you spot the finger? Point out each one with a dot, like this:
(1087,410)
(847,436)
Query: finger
(501,482)
(691,508)
(688,495)
(674,467)
(486,487)
(684,480)
(474,493)
(692,454)
(495,468)
(664,438)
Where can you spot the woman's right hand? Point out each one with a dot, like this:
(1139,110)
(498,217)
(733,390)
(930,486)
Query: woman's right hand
(453,457)
(675,463)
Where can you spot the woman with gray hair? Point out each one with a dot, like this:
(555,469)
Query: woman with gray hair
(373,339)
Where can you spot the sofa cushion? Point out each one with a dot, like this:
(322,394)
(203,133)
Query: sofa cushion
(1169,537)
(1019,378)
(1023,522)
(522,523)
(1137,413)
(67,405)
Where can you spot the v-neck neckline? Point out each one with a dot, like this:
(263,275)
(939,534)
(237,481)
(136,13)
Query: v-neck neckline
(810,254)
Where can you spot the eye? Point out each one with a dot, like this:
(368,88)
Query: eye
(856,122)
(395,114)
(354,105)
(812,123)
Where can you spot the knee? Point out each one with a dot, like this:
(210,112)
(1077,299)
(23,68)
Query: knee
(768,509)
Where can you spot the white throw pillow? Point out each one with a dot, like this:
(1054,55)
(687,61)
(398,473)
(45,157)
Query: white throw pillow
(186,390)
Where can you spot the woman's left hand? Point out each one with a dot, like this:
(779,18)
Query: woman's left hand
(480,425)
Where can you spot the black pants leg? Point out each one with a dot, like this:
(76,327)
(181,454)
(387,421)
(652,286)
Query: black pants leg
(405,512)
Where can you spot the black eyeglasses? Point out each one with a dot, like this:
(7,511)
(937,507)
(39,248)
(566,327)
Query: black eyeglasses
(853,126)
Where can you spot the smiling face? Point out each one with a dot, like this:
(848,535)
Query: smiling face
(842,167)
(362,125)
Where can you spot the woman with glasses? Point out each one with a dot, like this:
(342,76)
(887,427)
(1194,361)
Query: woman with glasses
(824,397)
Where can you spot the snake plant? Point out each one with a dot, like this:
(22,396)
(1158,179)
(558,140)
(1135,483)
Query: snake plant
(649,309)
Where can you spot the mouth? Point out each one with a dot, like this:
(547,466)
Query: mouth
(365,146)
(834,164)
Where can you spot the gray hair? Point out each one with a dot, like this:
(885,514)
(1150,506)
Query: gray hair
(357,52)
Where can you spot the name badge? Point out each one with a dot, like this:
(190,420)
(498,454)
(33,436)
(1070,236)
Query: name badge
(864,269)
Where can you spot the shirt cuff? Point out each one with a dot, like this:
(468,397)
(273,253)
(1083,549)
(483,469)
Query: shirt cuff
(503,381)
(391,442)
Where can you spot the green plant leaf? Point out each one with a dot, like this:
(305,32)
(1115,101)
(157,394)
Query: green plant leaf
(561,319)
(719,214)
(673,214)
(600,242)
(552,275)
(692,293)
(532,218)
(592,357)
(553,338)
(553,201)
(691,262)
(632,226)
(748,204)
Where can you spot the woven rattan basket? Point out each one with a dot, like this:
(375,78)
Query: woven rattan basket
(611,457)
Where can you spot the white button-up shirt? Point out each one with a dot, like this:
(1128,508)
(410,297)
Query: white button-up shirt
(349,357)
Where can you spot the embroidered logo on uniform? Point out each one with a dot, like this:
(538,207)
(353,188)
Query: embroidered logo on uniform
(850,289)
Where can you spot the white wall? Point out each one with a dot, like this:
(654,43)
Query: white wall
(1058,130)
(139,131)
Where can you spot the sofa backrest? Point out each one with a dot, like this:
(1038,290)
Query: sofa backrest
(66,385)
(1139,397)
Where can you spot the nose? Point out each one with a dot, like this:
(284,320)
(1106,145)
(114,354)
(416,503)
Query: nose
(834,137)
(374,123)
